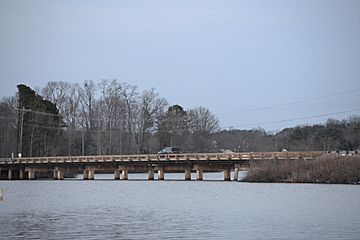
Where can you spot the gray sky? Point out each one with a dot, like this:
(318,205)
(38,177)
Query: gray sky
(238,58)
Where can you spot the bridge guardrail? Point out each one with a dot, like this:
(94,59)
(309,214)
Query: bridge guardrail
(165,157)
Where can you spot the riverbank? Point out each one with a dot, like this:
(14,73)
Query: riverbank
(326,169)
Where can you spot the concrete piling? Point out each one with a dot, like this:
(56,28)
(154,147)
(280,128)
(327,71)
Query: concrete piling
(188,174)
(117,174)
(236,174)
(199,174)
(124,174)
(151,174)
(10,174)
(161,174)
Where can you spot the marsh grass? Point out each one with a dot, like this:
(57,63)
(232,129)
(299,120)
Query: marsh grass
(326,169)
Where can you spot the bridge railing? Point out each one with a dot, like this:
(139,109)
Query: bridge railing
(163,157)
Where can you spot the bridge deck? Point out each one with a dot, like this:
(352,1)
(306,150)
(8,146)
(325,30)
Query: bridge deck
(161,158)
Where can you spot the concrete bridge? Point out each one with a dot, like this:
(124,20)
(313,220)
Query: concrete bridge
(122,165)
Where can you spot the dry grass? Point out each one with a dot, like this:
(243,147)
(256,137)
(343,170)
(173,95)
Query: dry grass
(326,169)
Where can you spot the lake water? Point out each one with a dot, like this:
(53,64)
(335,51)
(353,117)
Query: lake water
(76,209)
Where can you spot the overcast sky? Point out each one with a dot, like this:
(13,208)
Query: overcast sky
(252,63)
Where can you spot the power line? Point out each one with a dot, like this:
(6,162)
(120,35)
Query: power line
(290,103)
(295,119)
(274,107)
(187,130)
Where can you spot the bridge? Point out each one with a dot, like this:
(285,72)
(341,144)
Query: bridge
(122,165)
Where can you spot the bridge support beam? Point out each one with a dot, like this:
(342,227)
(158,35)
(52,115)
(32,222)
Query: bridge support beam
(227,172)
(117,174)
(124,174)
(151,174)
(10,174)
(161,174)
(199,174)
(188,174)
(236,174)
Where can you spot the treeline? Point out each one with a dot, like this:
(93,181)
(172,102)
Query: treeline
(92,118)
(112,117)
(332,136)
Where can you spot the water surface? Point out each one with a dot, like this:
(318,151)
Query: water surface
(76,209)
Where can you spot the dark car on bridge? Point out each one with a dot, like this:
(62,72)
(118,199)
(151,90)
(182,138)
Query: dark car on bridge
(170,150)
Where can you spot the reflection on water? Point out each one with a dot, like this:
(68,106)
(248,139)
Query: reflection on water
(74,209)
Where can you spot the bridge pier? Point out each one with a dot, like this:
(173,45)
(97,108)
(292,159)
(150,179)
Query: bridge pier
(91,174)
(236,174)
(86,175)
(117,174)
(161,173)
(10,174)
(124,174)
(21,174)
(150,173)
(227,172)
(188,174)
(199,174)
(60,175)
(31,174)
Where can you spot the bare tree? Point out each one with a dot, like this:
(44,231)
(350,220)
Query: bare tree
(202,124)
(129,96)
(151,106)
(8,120)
